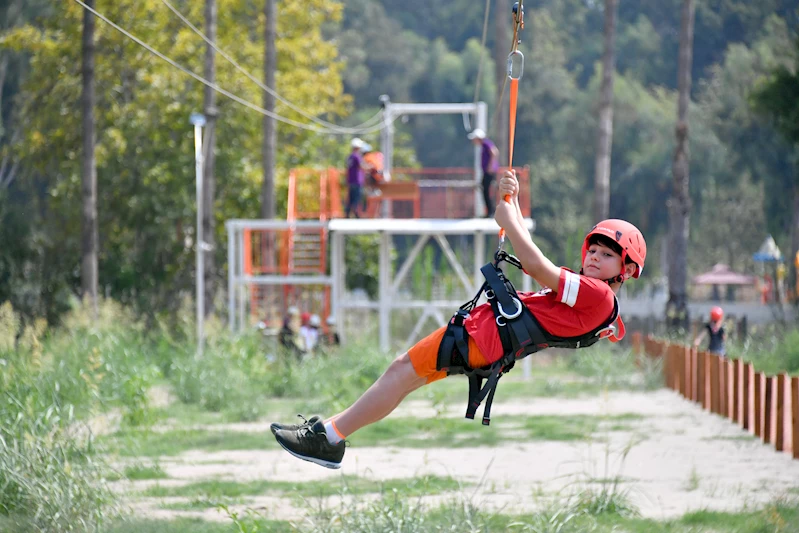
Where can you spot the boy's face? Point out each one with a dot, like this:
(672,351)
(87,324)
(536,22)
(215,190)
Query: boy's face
(601,262)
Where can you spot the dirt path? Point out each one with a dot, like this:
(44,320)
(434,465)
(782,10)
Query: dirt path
(679,459)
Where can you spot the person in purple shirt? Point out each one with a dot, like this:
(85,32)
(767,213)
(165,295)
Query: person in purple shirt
(489,163)
(355,177)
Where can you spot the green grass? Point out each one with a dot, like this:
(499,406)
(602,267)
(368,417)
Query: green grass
(134,442)
(139,472)
(197,504)
(182,414)
(458,432)
(735,438)
(778,517)
(188,525)
(407,432)
(214,489)
(408,515)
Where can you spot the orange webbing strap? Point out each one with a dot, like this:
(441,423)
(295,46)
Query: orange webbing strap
(514,91)
(518,24)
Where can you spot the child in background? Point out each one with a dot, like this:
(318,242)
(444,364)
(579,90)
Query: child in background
(715,330)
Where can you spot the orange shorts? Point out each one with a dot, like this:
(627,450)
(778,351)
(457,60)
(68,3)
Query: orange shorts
(424,356)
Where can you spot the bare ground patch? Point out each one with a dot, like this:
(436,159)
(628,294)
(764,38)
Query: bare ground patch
(680,459)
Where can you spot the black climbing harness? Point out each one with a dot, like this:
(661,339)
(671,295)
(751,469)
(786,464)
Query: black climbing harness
(520,332)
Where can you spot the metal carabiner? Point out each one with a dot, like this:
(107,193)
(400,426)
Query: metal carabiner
(512,61)
(515,314)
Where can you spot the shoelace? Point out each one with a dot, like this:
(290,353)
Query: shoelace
(308,439)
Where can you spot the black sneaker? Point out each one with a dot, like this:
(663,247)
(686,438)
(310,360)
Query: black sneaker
(310,443)
(294,427)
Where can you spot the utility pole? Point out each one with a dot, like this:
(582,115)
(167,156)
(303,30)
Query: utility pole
(198,121)
(209,143)
(268,148)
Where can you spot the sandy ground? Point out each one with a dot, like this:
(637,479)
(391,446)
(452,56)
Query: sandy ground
(679,458)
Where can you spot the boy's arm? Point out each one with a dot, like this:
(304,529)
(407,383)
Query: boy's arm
(519,215)
(535,263)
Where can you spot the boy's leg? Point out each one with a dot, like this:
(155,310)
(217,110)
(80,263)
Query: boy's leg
(323,443)
(385,394)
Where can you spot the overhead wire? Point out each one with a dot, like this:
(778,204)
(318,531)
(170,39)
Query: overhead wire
(342,129)
(219,89)
(482,51)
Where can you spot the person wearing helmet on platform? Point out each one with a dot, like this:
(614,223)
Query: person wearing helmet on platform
(489,164)
(715,331)
(572,310)
(355,177)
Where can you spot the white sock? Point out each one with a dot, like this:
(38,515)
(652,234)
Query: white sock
(332,434)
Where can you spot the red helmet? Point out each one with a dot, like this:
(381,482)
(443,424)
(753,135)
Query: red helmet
(716,314)
(627,236)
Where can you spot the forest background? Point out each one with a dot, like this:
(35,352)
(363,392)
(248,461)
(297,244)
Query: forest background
(334,60)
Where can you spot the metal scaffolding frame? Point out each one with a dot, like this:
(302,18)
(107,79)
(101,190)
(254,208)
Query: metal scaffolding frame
(389,281)
(392,111)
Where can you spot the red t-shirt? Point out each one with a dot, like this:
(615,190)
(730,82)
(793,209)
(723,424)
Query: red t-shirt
(580,305)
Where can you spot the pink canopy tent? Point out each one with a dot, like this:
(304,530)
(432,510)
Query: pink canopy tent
(721,274)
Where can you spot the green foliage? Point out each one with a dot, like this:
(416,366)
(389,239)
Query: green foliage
(51,383)
(770,350)
(145,144)
(362,257)
(237,372)
(50,479)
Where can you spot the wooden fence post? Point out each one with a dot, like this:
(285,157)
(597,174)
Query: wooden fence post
(745,406)
(724,387)
(779,436)
(795,415)
(686,357)
(683,374)
(713,359)
(636,346)
(700,378)
(736,391)
(759,416)
(767,411)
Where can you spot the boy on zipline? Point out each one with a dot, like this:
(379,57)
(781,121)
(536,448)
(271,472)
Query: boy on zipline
(483,342)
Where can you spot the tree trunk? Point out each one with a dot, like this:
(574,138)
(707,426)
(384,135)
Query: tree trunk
(604,138)
(680,202)
(209,181)
(502,43)
(89,232)
(269,123)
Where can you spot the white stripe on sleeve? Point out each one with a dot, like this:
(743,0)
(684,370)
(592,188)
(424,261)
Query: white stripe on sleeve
(571,286)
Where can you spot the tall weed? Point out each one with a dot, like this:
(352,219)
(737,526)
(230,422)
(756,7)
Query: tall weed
(53,381)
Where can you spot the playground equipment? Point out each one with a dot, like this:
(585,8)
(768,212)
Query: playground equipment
(285,263)
(257,293)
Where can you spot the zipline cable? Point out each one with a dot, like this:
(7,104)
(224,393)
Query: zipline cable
(342,129)
(482,54)
(216,87)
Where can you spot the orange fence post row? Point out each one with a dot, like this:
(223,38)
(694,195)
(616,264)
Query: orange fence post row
(767,406)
